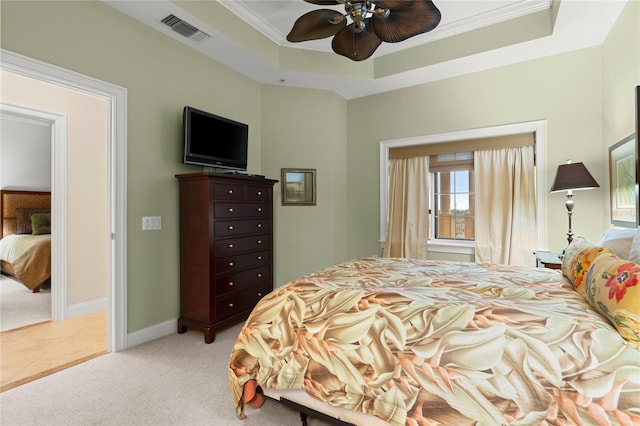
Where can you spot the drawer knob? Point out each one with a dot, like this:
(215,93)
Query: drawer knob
(230,283)
(230,245)
(231,305)
(259,275)
(259,225)
(230,210)
(259,241)
(259,209)
(259,257)
(230,263)
(230,227)
(230,191)
(259,192)
(259,294)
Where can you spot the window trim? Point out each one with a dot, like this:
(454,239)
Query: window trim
(451,246)
(538,127)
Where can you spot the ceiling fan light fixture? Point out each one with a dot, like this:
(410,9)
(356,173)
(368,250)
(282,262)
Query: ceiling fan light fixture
(381,13)
(374,21)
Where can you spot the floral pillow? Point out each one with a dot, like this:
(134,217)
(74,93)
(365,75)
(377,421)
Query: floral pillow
(578,258)
(612,288)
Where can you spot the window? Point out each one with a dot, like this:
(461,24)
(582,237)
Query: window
(456,198)
(452,213)
(452,196)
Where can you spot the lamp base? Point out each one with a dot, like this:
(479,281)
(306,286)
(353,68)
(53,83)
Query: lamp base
(569,205)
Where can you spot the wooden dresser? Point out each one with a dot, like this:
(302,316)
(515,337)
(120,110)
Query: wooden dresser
(226,248)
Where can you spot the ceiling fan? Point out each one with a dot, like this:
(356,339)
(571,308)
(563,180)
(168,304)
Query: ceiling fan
(374,21)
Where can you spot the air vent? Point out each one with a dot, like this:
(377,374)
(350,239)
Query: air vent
(185,29)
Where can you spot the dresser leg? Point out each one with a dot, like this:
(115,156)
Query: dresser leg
(185,324)
(209,335)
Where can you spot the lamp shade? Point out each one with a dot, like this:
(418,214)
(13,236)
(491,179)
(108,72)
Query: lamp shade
(573,176)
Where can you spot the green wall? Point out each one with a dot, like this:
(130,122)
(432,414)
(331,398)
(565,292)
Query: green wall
(621,65)
(304,128)
(565,90)
(161,77)
(586,97)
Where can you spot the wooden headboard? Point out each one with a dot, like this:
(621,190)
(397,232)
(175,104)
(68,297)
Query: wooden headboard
(10,200)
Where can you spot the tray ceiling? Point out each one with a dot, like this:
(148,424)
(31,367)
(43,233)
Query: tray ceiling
(250,37)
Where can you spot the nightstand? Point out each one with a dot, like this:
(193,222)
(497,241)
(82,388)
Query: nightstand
(547,259)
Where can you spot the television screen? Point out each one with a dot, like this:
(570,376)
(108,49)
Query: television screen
(213,141)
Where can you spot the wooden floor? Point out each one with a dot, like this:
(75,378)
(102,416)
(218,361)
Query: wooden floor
(31,352)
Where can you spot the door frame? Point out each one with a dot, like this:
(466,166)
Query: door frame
(58,127)
(116,97)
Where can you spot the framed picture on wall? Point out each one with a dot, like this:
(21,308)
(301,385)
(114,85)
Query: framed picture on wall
(623,180)
(298,187)
(638,155)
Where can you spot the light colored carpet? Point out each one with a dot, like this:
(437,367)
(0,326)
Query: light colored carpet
(20,307)
(175,380)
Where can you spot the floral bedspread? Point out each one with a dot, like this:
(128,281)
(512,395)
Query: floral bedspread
(419,342)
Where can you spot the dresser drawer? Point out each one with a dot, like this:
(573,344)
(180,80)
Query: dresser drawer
(240,210)
(240,227)
(234,303)
(229,191)
(241,262)
(239,281)
(230,246)
(255,193)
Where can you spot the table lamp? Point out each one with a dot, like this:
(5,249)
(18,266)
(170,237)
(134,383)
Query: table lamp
(572,177)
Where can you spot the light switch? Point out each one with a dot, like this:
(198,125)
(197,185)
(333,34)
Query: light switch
(151,223)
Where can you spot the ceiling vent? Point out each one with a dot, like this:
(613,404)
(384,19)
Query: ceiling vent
(185,29)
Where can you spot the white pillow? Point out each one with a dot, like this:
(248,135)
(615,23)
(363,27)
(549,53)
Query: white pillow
(634,252)
(619,240)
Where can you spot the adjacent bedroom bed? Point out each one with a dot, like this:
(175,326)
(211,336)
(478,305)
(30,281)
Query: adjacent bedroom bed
(418,342)
(25,242)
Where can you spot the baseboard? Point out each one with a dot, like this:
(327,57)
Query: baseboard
(85,308)
(133,339)
(152,333)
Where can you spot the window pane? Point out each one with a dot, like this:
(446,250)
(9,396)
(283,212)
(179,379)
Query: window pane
(453,199)
(461,203)
(461,181)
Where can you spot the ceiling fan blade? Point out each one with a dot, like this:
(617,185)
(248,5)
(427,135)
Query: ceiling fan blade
(400,24)
(356,46)
(316,25)
(394,4)
(324,2)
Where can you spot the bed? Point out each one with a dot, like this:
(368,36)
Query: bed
(417,342)
(25,242)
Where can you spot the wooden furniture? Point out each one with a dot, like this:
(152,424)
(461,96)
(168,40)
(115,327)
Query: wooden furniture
(226,248)
(547,259)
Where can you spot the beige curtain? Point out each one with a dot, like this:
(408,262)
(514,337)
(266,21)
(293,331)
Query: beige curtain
(408,210)
(506,209)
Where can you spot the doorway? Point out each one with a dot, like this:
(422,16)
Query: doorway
(115,98)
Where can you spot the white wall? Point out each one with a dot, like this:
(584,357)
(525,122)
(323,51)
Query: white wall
(87,181)
(25,154)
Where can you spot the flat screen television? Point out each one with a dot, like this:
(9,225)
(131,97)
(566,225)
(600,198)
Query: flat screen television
(213,141)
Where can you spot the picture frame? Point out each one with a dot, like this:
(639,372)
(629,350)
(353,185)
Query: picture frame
(298,187)
(638,155)
(623,156)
